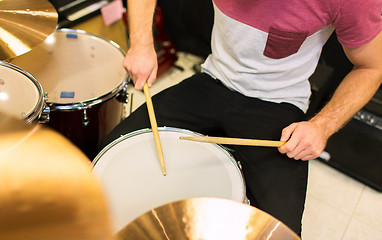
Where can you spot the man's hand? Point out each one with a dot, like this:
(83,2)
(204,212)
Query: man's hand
(141,64)
(305,141)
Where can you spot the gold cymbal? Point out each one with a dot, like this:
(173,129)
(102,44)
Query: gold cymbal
(47,190)
(207,219)
(24,24)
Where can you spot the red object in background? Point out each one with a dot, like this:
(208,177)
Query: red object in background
(164,47)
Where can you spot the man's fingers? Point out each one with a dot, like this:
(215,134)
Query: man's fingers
(139,83)
(287,132)
(152,77)
(291,143)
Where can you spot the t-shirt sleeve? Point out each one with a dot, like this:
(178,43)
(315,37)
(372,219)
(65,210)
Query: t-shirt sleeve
(358,22)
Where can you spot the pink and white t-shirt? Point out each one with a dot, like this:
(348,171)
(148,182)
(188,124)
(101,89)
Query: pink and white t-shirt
(268,49)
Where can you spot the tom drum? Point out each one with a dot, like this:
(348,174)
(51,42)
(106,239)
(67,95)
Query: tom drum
(21,95)
(85,82)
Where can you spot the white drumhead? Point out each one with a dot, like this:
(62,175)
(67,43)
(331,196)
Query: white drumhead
(131,175)
(20,93)
(75,66)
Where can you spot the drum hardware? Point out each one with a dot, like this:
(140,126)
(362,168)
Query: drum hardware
(131,103)
(123,96)
(85,118)
(207,219)
(24,25)
(44,116)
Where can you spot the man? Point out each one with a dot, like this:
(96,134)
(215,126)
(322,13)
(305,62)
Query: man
(254,84)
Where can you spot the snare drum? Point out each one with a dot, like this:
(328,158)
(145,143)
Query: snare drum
(85,81)
(21,94)
(133,182)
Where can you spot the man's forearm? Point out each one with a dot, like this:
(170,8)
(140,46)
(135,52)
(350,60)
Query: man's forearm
(353,93)
(140,21)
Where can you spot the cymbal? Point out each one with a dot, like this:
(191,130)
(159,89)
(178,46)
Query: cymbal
(24,24)
(47,190)
(207,219)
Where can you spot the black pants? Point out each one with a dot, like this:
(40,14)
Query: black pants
(275,183)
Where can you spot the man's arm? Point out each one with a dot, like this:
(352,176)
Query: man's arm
(306,140)
(141,59)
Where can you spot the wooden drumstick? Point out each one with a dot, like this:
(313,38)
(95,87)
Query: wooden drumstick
(154,126)
(235,141)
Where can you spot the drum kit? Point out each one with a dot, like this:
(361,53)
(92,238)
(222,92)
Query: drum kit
(61,91)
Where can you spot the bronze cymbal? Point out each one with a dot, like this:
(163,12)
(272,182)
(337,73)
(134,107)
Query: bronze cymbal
(207,219)
(24,24)
(47,190)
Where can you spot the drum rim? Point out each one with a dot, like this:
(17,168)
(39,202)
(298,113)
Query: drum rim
(172,129)
(73,106)
(37,110)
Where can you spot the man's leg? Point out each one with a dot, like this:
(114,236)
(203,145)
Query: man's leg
(275,183)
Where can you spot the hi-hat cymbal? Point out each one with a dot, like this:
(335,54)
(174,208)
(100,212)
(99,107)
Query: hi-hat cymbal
(207,219)
(24,24)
